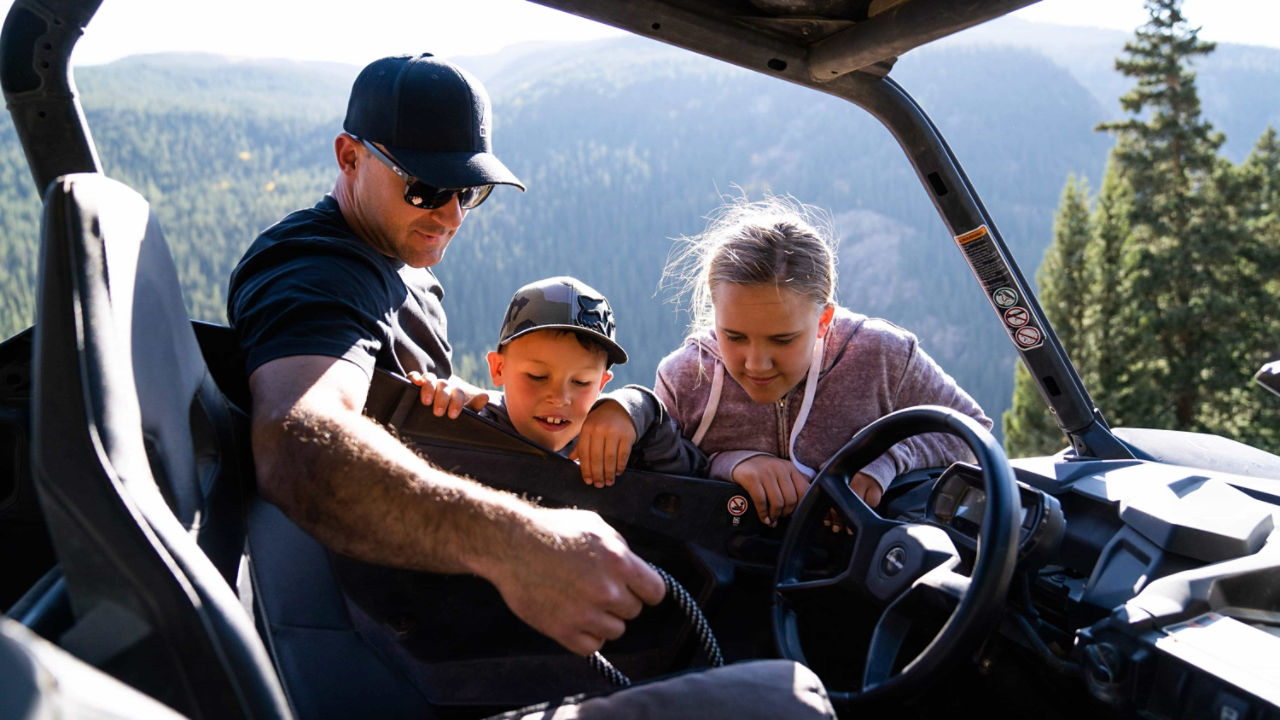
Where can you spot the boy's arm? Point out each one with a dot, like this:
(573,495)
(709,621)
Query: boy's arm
(659,446)
(630,427)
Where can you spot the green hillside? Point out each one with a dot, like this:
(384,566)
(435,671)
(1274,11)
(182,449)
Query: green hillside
(623,148)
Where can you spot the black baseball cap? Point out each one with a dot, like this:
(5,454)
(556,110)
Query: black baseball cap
(562,303)
(432,116)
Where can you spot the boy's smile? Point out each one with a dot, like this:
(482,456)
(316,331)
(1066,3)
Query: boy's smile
(550,381)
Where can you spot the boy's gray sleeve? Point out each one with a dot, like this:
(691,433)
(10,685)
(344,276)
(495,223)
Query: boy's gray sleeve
(659,445)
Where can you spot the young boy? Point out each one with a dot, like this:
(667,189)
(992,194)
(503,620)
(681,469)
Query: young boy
(552,361)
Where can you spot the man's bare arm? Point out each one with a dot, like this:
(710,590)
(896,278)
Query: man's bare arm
(362,493)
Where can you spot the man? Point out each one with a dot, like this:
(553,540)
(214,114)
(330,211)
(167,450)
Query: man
(332,292)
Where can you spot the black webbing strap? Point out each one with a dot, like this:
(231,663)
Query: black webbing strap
(396,402)
(390,399)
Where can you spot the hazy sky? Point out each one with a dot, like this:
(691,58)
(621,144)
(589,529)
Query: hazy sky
(356,31)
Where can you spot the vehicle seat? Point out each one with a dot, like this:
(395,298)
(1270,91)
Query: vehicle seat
(139,463)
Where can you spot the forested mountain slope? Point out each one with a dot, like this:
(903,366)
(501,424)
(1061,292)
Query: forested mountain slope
(624,145)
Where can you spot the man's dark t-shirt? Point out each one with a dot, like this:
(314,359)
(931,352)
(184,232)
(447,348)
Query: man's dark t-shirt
(309,286)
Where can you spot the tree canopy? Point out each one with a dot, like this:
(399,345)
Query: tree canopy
(1172,306)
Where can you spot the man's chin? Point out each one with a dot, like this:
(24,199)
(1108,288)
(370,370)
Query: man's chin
(425,260)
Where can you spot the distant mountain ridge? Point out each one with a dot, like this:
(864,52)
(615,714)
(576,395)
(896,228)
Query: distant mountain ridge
(626,144)
(1224,77)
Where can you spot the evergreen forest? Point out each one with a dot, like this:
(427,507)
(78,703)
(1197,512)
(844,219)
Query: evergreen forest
(626,145)
(1163,286)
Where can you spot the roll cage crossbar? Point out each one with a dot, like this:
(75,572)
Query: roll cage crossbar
(847,53)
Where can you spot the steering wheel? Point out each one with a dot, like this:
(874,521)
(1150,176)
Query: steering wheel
(900,565)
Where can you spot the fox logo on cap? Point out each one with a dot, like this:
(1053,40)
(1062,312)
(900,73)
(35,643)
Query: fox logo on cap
(596,314)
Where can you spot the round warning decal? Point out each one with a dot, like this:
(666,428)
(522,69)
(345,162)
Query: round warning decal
(1005,297)
(1017,317)
(1027,337)
(737,506)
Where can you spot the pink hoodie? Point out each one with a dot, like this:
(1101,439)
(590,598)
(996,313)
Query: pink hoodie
(870,368)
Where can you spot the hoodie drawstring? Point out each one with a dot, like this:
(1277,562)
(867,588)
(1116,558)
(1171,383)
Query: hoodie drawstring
(810,389)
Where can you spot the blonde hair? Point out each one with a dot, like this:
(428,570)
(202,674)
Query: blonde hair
(777,241)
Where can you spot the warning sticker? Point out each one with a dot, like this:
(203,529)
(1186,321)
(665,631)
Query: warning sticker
(1028,337)
(984,258)
(737,506)
(1017,317)
(987,260)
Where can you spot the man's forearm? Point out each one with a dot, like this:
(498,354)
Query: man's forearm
(361,492)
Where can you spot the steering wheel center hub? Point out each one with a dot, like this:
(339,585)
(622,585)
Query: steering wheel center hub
(894,560)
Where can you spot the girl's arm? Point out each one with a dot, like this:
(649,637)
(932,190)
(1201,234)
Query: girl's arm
(924,382)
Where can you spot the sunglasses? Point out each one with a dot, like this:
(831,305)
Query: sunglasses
(429,197)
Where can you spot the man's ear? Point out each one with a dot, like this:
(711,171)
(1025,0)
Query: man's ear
(824,321)
(496,361)
(346,149)
(606,377)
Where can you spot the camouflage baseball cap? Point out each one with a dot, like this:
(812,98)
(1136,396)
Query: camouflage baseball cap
(562,303)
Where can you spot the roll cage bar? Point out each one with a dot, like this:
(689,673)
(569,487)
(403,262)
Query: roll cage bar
(844,48)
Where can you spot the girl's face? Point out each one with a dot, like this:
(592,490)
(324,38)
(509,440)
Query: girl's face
(766,336)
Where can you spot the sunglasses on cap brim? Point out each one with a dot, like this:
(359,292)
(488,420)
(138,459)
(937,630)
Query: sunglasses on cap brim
(429,197)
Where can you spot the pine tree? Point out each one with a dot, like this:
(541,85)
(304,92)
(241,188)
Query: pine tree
(1102,324)
(1178,280)
(1260,175)
(1029,427)
(1249,413)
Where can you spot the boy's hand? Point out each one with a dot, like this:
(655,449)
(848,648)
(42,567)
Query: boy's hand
(448,395)
(604,444)
(775,485)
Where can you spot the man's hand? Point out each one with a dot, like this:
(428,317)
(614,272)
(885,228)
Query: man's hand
(604,443)
(576,582)
(775,485)
(448,395)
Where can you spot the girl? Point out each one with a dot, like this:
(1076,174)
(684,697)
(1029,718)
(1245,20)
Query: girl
(805,374)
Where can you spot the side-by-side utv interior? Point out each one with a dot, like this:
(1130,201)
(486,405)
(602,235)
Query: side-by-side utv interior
(1131,575)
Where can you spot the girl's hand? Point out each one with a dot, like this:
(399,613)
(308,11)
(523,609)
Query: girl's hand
(775,485)
(865,487)
(604,443)
(448,395)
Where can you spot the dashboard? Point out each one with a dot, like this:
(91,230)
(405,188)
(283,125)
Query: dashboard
(1140,575)
(958,502)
